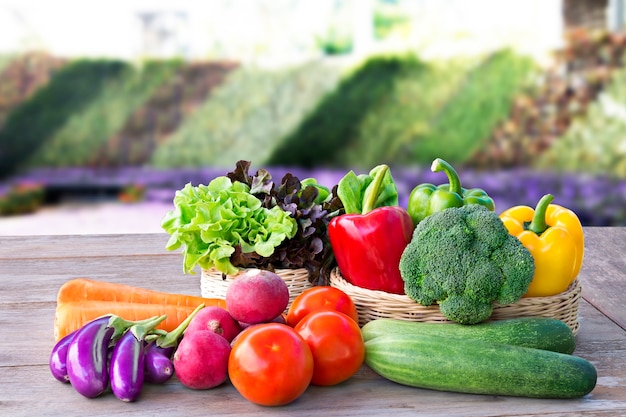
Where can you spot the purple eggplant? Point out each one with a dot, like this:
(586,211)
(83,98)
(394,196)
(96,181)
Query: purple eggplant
(158,367)
(87,357)
(165,351)
(126,370)
(58,358)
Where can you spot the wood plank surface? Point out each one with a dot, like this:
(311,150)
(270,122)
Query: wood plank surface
(603,274)
(33,268)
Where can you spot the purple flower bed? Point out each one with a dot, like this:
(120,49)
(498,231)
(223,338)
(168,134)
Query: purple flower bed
(598,201)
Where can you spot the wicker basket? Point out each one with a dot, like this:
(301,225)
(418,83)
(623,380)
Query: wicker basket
(213,283)
(379,304)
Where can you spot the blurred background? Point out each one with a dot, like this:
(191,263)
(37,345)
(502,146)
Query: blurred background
(107,108)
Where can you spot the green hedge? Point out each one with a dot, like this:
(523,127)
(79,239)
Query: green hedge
(334,123)
(37,119)
(165,112)
(400,110)
(397,110)
(76,143)
(387,133)
(483,99)
(246,116)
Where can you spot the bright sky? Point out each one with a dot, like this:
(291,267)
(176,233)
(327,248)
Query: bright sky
(248,27)
(72,27)
(76,27)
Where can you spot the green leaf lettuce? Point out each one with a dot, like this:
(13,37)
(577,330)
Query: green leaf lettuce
(210,221)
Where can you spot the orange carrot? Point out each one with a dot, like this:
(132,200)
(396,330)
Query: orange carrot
(83,289)
(81,300)
(71,316)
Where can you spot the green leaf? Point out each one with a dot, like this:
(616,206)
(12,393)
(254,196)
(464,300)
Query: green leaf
(354,190)
(350,193)
(210,221)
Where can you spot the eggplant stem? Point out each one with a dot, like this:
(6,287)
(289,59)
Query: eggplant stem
(172,338)
(141,330)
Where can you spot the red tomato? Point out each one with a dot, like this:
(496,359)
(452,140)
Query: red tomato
(322,297)
(270,364)
(337,345)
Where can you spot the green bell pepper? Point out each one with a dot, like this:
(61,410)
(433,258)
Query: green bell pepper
(426,199)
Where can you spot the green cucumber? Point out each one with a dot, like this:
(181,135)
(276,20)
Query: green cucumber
(535,332)
(479,367)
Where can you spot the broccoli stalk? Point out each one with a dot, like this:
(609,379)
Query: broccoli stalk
(465,259)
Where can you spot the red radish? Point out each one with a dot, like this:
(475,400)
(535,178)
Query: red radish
(201,360)
(217,320)
(257,296)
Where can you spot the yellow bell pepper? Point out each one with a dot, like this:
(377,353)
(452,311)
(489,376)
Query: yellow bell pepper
(554,236)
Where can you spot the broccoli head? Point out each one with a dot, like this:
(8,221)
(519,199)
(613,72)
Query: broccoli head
(465,259)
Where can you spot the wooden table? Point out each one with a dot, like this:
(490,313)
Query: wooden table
(33,268)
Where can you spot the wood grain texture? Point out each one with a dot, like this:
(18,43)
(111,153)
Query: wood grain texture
(603,273)
(32,269)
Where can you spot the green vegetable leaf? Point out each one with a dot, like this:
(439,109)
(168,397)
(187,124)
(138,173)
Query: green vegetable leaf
(323,193)
(354,191)
(387,193)
(210,221)
(350,191)
(311,205)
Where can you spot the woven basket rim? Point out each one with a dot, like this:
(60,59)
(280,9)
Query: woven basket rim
(373,304)
(280,271)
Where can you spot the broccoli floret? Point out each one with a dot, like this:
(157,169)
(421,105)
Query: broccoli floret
(463,309)
(465,259)
(512,259)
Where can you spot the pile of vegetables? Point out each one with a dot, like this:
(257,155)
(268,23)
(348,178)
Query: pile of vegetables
(464,256)
(81,299)
(272,362)
(449,247)
(269,356)
(138,354)
(140,328)
(247,221)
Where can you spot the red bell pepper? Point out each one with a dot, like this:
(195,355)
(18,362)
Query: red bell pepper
(368,241)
